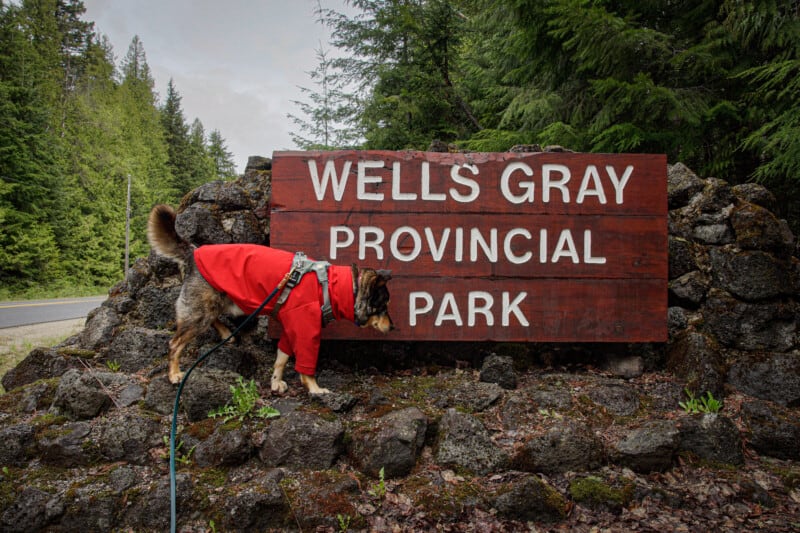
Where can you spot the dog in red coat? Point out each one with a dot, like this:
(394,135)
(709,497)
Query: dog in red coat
(236,278)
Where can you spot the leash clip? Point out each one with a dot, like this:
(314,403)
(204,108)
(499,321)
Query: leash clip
(299,268)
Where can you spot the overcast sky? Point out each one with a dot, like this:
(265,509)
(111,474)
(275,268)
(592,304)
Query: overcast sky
(236,63)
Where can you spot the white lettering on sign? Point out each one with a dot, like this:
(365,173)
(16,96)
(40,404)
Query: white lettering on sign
(422,303)
(328,175)
(517,182)
(406,244)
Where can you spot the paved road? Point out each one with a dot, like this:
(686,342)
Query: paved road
(38,311)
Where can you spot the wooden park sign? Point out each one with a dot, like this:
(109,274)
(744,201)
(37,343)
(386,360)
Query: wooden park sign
(540,247)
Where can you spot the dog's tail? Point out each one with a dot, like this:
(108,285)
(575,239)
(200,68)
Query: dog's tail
(162,235)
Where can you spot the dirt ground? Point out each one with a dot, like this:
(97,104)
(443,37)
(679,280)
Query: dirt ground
(17,342)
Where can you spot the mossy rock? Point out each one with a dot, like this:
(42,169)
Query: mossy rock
(598,494)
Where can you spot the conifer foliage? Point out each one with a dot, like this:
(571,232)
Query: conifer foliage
(73,127)
(711,83)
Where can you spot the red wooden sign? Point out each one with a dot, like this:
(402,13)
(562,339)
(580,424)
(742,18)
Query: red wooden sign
(538,247)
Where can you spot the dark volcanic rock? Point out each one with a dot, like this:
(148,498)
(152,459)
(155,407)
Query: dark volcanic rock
(567,447)
(128,438)
(772,430)
(464,443)
(618,399)
(531,499)
(395,445)
(499,369)
(14,443)
(772,376)
(712,437)
(696,358)
(302,440)
(138,348)
(206,390)
(682,185)
(258,505)
(227,446)
(84,395)
(747,326)
(32,510)
(67,445)
(750,275)
(41,363)
(649,448)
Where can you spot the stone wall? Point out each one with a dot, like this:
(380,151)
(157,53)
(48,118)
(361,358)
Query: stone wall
(734,290)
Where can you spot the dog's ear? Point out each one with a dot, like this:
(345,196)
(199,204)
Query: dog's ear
(383,277)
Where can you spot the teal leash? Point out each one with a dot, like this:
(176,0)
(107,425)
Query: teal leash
(174,429)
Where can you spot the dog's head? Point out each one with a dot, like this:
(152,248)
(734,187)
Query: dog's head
(372,299)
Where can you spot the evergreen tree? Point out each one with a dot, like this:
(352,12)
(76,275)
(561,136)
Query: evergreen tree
(221,157)
(28,151)
(176,134)
(327,111)
(146,155)
(202,163)
(94,247)
(401,59)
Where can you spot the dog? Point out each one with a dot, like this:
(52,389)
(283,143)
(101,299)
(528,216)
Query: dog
(236,278)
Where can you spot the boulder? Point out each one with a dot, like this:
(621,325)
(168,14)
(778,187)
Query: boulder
(772,430)
(227,446)
(302,440)
(749,275)
(258,505)
(204,391)
(769,376)
(758,229)
(758,327)
(41,363)
(530,499)
(500,370)
(128,438)
(32,510)
(15,441)
(682,185)
(84,395)
(137,348)
(649,448)
(394,446)
(695,357)
(571,446)
(712,437)
(67,445)
(464,443)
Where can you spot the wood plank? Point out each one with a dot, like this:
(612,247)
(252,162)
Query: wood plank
(632,247)
(382,188)
(556,310)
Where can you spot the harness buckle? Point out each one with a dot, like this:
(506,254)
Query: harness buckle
(294,278)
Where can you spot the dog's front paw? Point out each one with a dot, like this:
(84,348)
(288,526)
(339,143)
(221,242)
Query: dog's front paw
(319,391)
(278,385)
(175,377)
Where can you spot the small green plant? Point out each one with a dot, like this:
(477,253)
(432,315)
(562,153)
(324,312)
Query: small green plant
(212,526)
(179,458)
(704,404)
(243,403)
(114,366)
(344,522)
(378,490)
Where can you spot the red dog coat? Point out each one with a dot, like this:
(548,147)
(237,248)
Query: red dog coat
(247,273)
